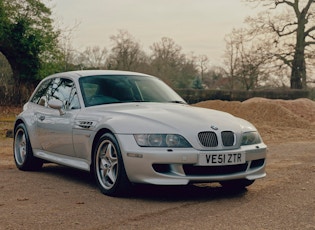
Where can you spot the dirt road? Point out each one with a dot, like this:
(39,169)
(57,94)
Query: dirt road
(63,198)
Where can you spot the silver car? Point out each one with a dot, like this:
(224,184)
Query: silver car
(128,128)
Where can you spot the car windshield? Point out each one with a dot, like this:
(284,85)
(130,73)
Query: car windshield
(108,89)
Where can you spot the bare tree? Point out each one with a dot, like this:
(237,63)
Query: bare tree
(167,60)
(93,57)
(231,60)
(245,60)
(187,73)
(126,53)
(292,24)
(203,64)
(68,53)
(216,78)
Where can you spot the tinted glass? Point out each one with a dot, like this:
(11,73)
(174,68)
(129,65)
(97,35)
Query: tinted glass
(60,89)
(108,89)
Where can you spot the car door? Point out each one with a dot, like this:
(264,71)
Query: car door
(54,127)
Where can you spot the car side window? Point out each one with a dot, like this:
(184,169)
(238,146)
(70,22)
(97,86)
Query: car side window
(39,96)
(60,89)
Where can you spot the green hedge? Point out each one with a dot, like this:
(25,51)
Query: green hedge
(195,95)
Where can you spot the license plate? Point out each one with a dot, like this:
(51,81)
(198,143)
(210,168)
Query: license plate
(221,158)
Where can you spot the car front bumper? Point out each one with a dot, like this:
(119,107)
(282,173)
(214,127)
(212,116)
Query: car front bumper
(179,166)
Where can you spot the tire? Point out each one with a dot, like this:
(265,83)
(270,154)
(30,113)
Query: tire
(108,167)
(22,150)
(237,184)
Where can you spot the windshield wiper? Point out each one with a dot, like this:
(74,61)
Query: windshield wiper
(178,102)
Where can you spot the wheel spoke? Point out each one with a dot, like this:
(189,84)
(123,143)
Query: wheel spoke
(23,147)
(112,172)
(110,152)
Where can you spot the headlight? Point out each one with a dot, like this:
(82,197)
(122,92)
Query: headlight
(161,140)
(250,138)
(155,140)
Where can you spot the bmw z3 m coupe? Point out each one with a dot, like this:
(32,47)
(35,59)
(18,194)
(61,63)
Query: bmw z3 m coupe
(127,128)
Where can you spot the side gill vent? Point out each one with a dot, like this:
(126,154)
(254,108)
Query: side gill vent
(85,124)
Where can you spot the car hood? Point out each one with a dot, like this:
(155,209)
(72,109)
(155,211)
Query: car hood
(132,118)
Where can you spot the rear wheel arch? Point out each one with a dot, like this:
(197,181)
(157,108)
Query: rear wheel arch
(17,122)
(22,149)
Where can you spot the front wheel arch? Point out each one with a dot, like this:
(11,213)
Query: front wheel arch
(97,136)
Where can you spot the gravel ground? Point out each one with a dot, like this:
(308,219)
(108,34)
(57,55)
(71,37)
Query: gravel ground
(61,198)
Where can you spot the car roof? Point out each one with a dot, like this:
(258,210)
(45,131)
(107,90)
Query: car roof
(84,73)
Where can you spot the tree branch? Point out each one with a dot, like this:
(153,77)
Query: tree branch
(280,32)
(294,5)
(307,32)
(309,43)
(278,2)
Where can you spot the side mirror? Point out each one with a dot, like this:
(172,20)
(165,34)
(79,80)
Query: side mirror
(56,104)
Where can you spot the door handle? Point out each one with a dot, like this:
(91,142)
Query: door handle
(41,117)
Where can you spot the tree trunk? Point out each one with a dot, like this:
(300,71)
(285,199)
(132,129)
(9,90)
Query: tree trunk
(298,70)
(298,74)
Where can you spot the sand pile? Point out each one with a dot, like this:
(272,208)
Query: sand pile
(277,120)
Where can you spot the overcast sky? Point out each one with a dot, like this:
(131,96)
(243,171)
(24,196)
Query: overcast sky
(198,26)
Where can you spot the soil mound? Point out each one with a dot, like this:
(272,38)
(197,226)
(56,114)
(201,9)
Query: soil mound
(277,120)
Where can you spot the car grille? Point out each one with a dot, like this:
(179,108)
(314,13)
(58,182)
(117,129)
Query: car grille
(228,138)
(210,139)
